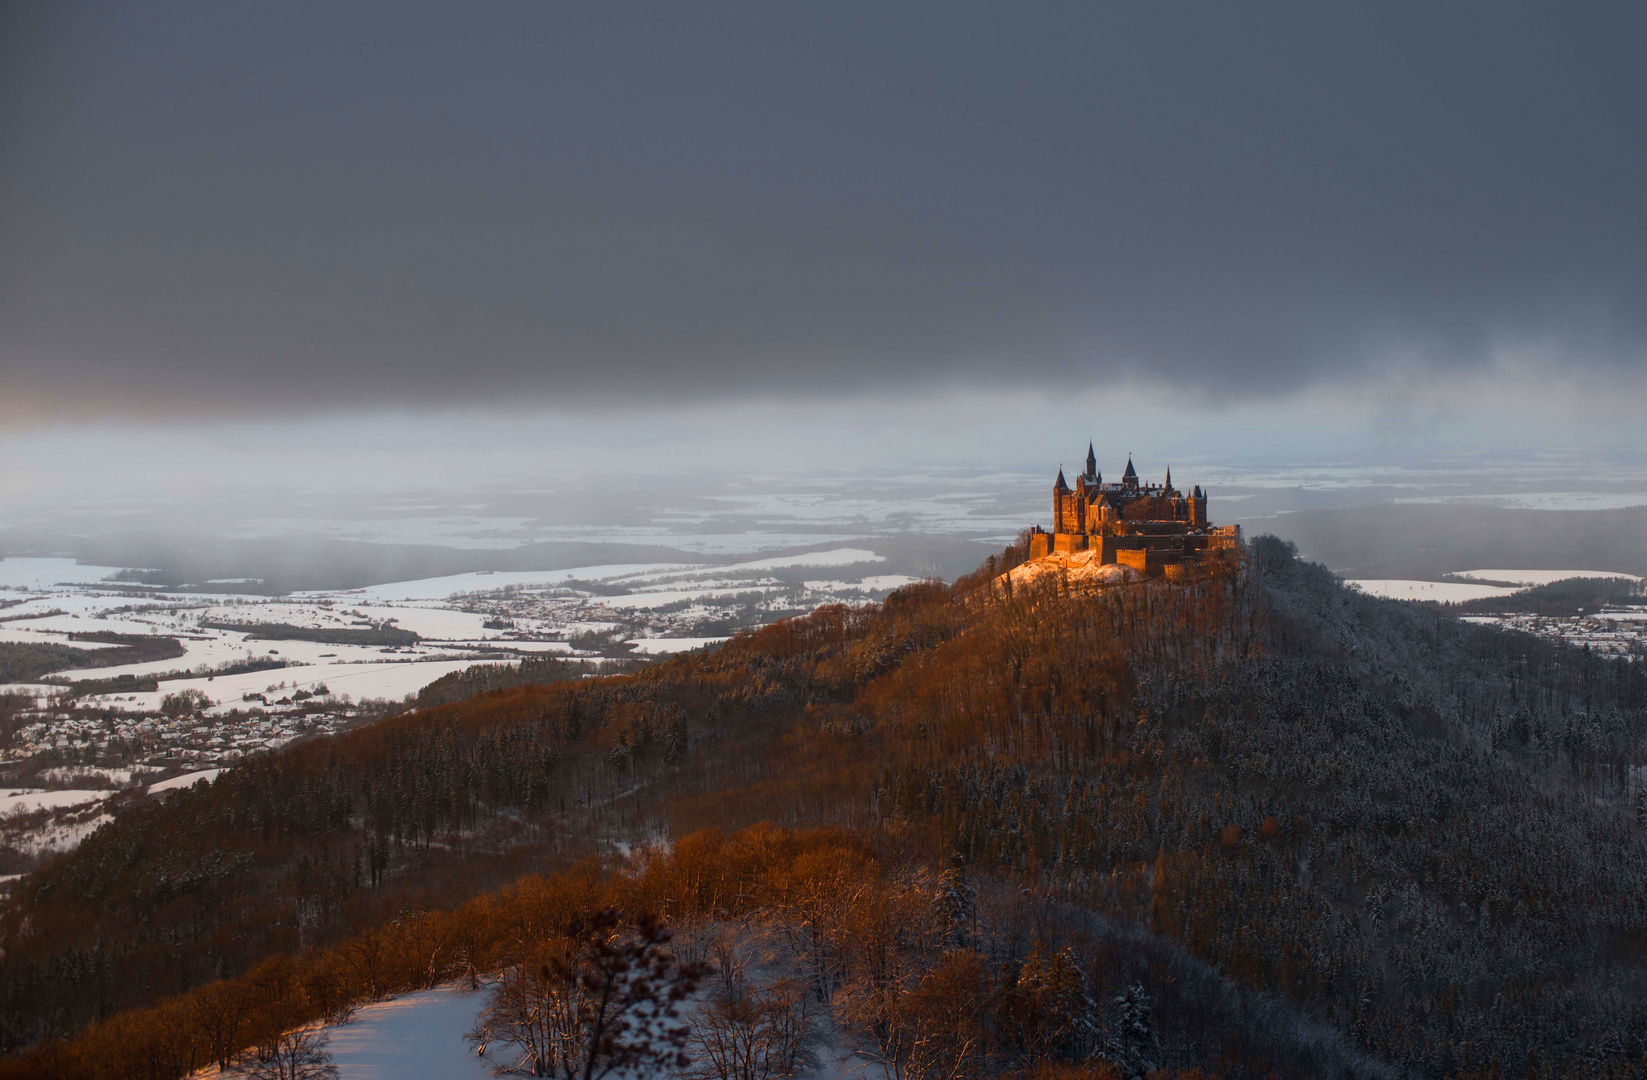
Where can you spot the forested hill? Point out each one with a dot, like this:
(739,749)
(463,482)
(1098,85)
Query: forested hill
(1419,832)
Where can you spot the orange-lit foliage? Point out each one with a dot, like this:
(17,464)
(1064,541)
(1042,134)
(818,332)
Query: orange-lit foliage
(1157,753)
(804,721)
(869,920)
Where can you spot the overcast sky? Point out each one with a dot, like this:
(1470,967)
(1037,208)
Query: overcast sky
(333,206)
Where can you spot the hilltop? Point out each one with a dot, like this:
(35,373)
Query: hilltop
(1391,840)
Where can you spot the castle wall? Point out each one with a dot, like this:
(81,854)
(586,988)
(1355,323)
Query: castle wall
(1151,562)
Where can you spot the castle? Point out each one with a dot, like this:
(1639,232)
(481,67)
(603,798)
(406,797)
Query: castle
(1153,528)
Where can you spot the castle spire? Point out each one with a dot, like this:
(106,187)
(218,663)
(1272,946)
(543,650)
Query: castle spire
(1060,488)
(1130,477)
(1092,460)
(1169,477)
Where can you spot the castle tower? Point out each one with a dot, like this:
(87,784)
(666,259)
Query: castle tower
(1060,499)
(1092,462)
(1130,477)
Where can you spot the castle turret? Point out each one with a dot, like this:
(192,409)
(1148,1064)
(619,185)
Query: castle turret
(1130,477)
(1063,505)
(1198,508)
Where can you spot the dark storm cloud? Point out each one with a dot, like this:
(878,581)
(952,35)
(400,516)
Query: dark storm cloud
(296,205)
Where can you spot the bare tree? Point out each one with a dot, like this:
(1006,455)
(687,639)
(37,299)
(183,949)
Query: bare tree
(603,998)
(220,1011)
(298,1054)
(754,1033)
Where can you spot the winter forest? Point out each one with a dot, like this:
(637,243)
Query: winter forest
(1252,825)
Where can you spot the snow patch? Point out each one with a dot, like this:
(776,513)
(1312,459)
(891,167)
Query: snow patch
(439,588)
(660,646)
(187,780)
(1445,592)
(1080,567)
(835,557)
(418,1035)
(878,583)
(28,800)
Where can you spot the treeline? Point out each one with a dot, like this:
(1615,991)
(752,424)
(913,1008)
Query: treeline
(484,678)
(382,635)
(1561,599)
(129,684)
(27,661)
(925,971)
(1417,829)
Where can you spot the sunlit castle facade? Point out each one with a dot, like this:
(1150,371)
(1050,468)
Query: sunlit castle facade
(1154,528)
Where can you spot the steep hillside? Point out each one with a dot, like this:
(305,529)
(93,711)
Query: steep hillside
(1419,831)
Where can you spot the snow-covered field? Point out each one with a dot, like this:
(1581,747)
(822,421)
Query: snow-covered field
(187,780)
(459,619)
(420,1037)
(666,646)
(1446,592)
(441,588)
(45,574)
(876,583)
(412,1037)
(27,800)
(837,557)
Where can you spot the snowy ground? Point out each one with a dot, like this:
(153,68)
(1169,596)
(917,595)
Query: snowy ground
(24,800)
(420,1037)
(667,646)
(187,780)
(412,1037)
(1081,567)
(137,735)
(656,608)
(1445,592)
